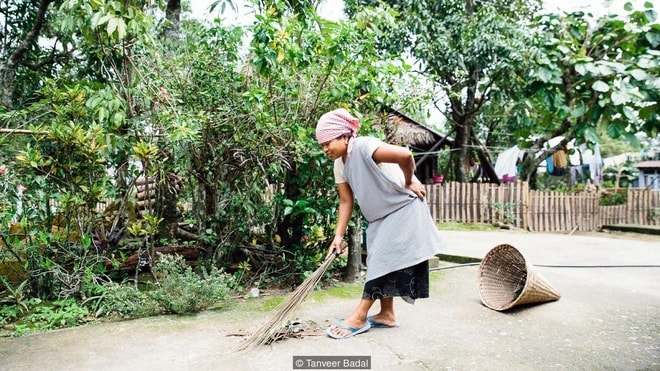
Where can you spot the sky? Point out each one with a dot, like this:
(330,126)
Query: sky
(332,9)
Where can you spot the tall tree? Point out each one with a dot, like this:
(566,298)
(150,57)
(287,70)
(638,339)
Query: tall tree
(238,129)
(474,54)
(590,76)
(323,65)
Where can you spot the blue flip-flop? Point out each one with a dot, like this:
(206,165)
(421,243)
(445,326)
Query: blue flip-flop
(353,330)
(375,324)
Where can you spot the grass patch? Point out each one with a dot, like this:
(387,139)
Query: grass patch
(455,226)
(436,278)
(340,290)
(457,259)
(262,304)
(248,308)
(272,303)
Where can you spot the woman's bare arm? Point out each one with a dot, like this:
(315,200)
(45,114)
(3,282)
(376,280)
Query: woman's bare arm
(405,160)
(344,215)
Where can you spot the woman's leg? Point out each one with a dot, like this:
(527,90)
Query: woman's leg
(357,319)
(386,315)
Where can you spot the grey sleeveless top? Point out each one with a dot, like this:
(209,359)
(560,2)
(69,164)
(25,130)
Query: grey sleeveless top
(401,231)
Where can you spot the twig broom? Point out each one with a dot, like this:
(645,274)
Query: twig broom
(266,334)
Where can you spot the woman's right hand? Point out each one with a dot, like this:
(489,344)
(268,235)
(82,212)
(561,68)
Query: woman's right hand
(418,189)
(336,246)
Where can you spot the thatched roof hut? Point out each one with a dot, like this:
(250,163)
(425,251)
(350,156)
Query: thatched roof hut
(401,130)
(425,142)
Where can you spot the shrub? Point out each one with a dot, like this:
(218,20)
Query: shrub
(121,300)
(43,316)
(62,313)
(612,197)
(9,313)
(654,214)
(180,290)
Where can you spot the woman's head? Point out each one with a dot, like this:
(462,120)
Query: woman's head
(337,124)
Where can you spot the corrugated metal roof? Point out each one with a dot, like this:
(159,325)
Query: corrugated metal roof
(648,164)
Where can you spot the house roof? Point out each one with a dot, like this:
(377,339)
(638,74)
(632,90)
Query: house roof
(653,164)
(410,132)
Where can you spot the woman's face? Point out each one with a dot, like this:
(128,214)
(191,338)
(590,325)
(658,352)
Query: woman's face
(335,148)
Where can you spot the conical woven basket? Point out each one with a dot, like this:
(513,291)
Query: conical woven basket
(506,280)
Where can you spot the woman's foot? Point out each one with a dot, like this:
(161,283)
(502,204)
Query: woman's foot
(348,327)
(383,320)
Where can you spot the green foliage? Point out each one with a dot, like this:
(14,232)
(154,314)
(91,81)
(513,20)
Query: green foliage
(180,290)
(68,160)
(9,313)
(551,183)
(120,300)
(654,214)
(306,264)
(43,316)
(239,129)
(102,32)
(476,58)
(592,77)
(612,147)
(603,74)
(456,226)
(31,61)
(613,197)
(62,313)
(236,121)
(16,296)
(516,10)
(46,232)
(246,140)
(507,209)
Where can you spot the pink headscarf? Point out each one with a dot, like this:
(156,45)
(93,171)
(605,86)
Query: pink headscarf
(336,123)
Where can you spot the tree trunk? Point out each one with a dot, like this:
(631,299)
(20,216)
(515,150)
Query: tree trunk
(485,161)
(352,271)
(460,152)
(210,211)
(173,15)
(8,69)
(487,166)
(536,154)
(167,196)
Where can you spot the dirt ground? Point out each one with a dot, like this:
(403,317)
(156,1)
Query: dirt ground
(607,318)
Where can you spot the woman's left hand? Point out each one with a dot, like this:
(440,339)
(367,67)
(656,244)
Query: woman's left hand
(417,189)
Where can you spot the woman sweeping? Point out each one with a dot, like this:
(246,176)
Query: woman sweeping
(401,235)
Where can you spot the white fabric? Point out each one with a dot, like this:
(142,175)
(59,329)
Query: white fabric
(392,171)
(506,162)
(594,160)
(401,231)
(338,170)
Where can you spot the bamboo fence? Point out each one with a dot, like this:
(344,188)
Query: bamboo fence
(538,211)
(515,204)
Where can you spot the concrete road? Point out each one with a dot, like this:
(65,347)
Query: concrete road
(607,318)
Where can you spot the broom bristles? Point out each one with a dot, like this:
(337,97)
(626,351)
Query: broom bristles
(267,332)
